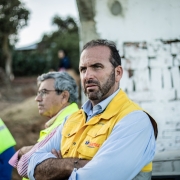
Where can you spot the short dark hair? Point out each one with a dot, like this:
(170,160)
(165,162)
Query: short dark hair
(115,58)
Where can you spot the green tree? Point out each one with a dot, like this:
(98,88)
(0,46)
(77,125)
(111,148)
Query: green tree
(45,56)
(65,37)
(13,17)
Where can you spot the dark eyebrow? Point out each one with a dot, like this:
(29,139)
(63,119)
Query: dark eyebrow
(82,67)
(43,90)
(92,65)
(97,64)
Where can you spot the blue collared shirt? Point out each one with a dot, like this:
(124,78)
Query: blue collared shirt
(130,146)
(97,109)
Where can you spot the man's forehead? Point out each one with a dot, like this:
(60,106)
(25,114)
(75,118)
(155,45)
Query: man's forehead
(95,54)
(96,49)
(47,83)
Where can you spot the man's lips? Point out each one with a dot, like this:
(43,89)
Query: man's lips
(40,106)
(88,86)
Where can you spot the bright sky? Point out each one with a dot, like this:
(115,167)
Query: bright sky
(42,12)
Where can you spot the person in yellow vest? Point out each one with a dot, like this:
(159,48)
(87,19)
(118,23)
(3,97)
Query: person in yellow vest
(7,144)
(57,97)
(110,137)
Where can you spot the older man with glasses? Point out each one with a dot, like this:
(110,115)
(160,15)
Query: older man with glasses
(57,98)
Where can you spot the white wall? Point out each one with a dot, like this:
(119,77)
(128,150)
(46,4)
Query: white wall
(152,79)
(140,20)
(151,67)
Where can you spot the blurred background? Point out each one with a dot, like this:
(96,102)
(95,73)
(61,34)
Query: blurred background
(147,33)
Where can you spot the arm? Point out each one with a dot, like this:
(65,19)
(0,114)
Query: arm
(47,161)
(15,158)
(22,164)
(127,150)
(57,168)
(23,151)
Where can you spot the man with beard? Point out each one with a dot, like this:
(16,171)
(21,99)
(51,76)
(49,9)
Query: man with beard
(111,137)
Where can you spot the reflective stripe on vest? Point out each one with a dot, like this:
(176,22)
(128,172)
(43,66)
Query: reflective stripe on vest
(6,139)
(96,131)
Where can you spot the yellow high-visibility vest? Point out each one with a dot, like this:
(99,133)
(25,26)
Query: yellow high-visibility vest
(76,132)
(67,111)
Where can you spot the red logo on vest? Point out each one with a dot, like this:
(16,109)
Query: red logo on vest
(92,145)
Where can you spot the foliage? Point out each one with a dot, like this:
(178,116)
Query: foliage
(13,16)
(27,63)
(45,58)
(66,37)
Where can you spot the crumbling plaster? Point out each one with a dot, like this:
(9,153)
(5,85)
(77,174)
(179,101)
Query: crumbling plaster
(147,33)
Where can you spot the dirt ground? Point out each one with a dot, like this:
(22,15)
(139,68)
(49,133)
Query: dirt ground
(19,112)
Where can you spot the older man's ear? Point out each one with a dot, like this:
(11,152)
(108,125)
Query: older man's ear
(65,96)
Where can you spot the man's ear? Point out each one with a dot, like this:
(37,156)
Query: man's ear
(118,73)
(65,96)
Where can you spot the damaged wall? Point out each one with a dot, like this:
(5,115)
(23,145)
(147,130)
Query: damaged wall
(137,20)
(147,34)
(152,79)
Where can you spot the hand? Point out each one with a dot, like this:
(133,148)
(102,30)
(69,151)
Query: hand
(57,153)
(24,150)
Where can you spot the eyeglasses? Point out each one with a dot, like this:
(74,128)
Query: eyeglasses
(44,92)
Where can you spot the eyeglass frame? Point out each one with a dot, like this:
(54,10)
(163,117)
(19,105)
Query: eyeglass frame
(43,92)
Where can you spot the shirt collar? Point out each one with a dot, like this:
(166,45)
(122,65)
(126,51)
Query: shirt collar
(87,106)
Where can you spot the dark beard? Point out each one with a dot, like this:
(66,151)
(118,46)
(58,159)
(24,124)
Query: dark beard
(103,90)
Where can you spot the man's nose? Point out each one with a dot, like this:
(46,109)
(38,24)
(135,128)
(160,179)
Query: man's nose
(88,74)
(38,98)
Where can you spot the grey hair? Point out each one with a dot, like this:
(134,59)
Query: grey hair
(63,82)
(115,58)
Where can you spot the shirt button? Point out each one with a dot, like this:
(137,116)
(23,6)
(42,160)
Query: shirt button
(68,134)
(74,143)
